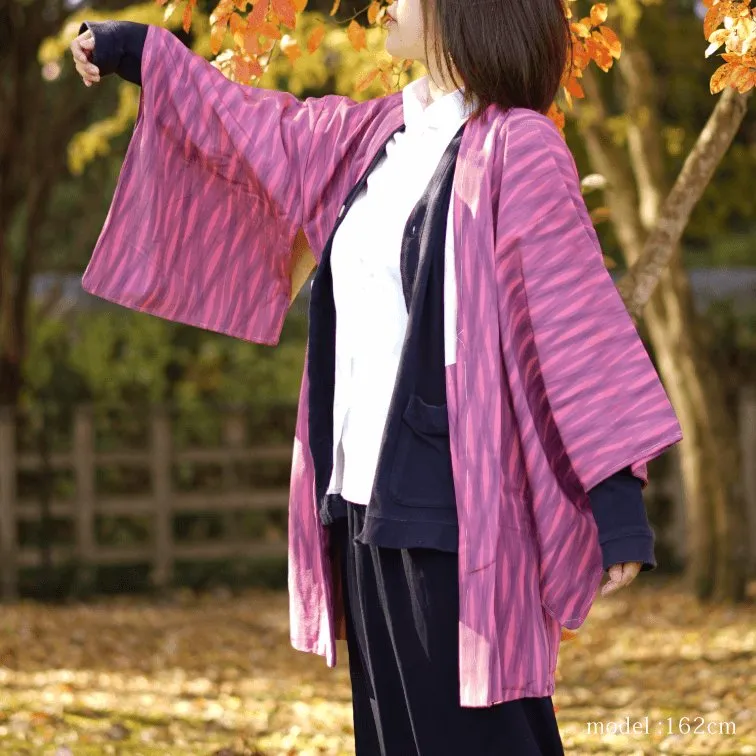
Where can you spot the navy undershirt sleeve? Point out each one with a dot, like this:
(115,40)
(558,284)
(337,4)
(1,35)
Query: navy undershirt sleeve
(118,47)
(625,534)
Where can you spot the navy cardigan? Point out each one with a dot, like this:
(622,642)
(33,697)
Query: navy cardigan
(625,534)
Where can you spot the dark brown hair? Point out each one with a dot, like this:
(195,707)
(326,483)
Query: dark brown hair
(508,52)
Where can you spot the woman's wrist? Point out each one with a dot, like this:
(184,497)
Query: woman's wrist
(118,47)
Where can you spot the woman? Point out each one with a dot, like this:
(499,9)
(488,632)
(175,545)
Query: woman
(477,409)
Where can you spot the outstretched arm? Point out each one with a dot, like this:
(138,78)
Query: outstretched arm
(223,189)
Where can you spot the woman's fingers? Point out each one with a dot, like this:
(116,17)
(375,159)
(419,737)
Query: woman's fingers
(81,49)
(620,575)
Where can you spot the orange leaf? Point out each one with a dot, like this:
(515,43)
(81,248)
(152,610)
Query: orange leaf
(366,80)
(256,19)
(742,79)
(714,17)
(186,21)
(285,11)
(335,8)
(237,24)
(270,31)
(580,55)
(721,77)
(251,43)
(217,33)
(612,40)
(568,634)
(299,5)
(315,38)
(356,35)
(244,69)
(556,116)
(373,11)
(599,51)
(291,50)
(222,11)
(574,88)
(599,12)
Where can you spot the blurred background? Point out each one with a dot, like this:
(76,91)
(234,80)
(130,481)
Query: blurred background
(144,465)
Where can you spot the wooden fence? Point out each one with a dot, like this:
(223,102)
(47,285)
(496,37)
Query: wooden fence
(165,503)
(161,506)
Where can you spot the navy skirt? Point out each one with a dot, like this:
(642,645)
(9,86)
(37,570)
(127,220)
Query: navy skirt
(402,614)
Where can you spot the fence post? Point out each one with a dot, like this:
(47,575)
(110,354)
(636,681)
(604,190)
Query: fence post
(8,532)
(234,437)
(747,431)
(84,467)
(162,454)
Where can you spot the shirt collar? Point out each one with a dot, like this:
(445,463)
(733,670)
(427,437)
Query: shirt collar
(446,112)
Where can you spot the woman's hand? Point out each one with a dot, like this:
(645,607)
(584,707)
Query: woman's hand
(620,575)
(82,49)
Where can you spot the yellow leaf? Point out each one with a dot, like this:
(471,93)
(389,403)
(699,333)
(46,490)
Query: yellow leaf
(356,35)
(599,12)
(580,29)
(169,10)
(366,80)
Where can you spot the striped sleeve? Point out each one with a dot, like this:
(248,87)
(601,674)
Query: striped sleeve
(222,189)
(596,398)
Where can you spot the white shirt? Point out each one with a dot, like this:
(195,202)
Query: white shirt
(371,315)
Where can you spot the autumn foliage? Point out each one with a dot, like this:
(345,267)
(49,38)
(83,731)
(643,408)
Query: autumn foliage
(738,35)
(256,27)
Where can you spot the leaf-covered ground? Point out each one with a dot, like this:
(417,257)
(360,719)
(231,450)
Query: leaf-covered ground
(216,675)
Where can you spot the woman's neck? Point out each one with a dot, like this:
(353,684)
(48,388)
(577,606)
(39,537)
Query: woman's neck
(437,85)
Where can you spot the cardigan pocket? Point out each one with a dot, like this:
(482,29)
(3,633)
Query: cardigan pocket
(421,474)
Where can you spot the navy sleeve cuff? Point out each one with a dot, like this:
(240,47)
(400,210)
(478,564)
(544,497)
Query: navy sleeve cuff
(625,534)
(118,47)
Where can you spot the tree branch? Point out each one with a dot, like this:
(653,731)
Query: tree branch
(644,140)
(639,283)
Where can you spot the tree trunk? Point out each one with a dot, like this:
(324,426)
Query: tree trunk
(649,233)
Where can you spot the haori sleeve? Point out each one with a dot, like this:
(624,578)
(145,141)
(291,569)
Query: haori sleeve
(217,200)
(597,399)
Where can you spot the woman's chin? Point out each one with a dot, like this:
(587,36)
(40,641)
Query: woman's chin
(392,48)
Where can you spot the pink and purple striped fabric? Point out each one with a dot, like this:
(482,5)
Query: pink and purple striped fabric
(552,390)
